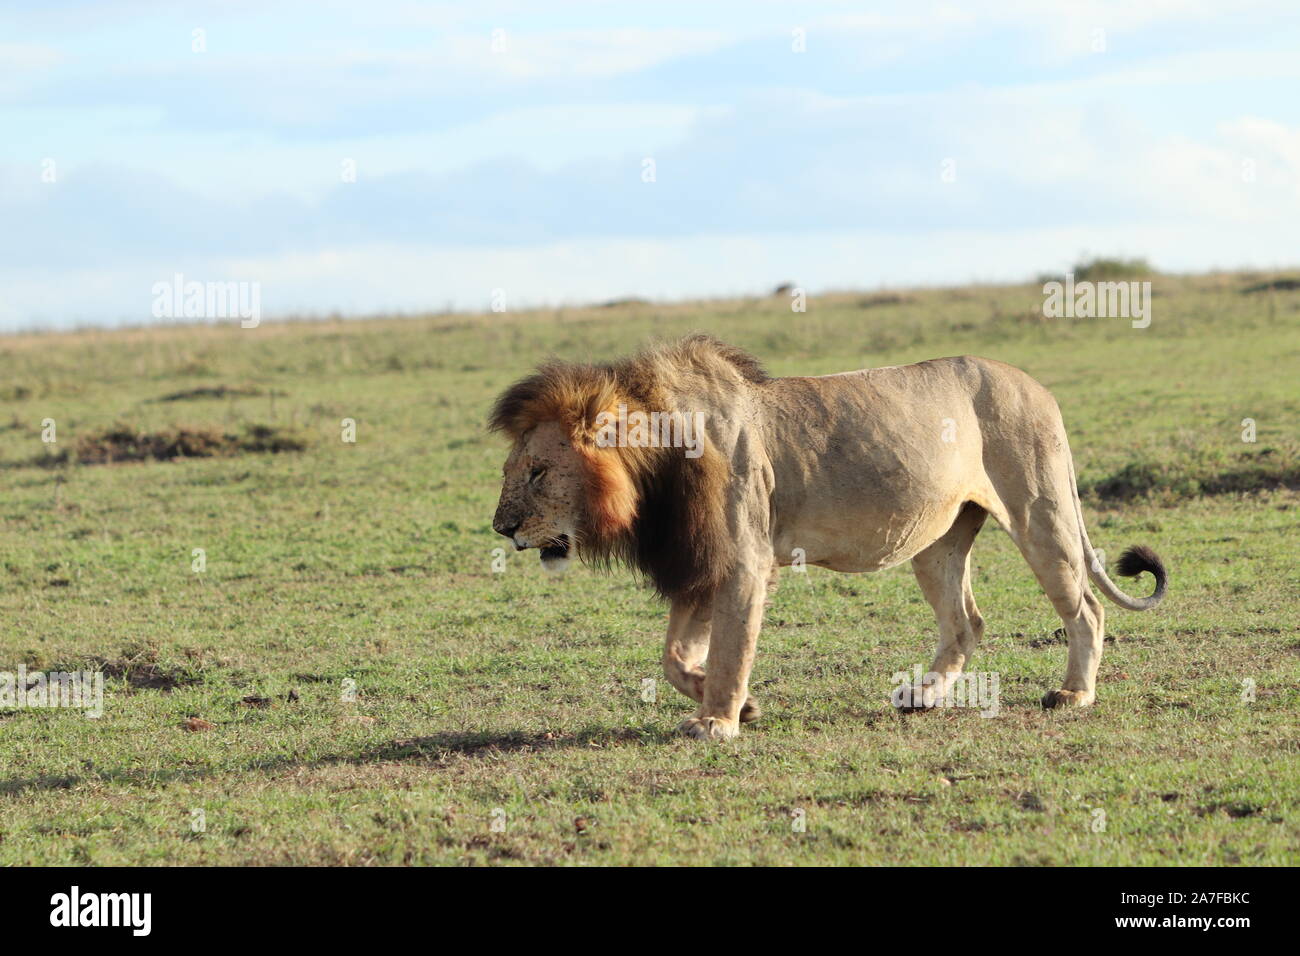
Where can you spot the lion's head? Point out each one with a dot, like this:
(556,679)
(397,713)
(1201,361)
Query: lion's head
(654,508)
(543,496)
(560,487)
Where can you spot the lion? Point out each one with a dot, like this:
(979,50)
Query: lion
(690,464)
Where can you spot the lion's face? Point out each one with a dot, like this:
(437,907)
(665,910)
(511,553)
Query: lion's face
(541,502)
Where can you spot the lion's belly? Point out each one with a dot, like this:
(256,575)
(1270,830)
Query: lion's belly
(862,538)
(863,479)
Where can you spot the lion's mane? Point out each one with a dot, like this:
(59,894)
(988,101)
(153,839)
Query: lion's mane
(654,509)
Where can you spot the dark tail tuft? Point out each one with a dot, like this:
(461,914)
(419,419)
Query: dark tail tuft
(1140,558)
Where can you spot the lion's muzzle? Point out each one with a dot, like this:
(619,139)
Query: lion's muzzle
(508,527)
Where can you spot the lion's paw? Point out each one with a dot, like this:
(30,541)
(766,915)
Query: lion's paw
(1068,698)
(908,699)
(710,728)
(750,712)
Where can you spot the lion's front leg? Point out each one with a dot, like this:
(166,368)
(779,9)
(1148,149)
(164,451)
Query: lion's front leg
(737,617)
(689,626)
(686,646)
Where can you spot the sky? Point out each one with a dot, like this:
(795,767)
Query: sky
(379,157)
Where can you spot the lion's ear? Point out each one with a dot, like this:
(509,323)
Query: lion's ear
(597,422)
(591,412)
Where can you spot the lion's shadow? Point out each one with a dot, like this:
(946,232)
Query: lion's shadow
(432,749)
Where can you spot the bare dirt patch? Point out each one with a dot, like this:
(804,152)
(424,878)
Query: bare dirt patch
(214,391)
(145,673)
(123,443)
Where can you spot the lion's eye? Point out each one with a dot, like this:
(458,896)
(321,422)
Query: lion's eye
(535,475)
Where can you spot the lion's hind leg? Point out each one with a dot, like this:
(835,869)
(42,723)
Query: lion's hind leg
(943,571)
(1052,544)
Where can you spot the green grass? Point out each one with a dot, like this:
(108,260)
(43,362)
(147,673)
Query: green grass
(371,562)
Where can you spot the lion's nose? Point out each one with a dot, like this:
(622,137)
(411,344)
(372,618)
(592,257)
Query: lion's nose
(500,527)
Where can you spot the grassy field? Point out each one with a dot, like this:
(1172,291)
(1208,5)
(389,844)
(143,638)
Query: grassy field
(516,697)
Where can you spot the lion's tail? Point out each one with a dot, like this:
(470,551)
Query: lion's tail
(1131,563)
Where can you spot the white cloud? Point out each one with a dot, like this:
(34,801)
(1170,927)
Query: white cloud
(28,56)
(1269,152)
(505,52)
(586,53)
(21,64)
